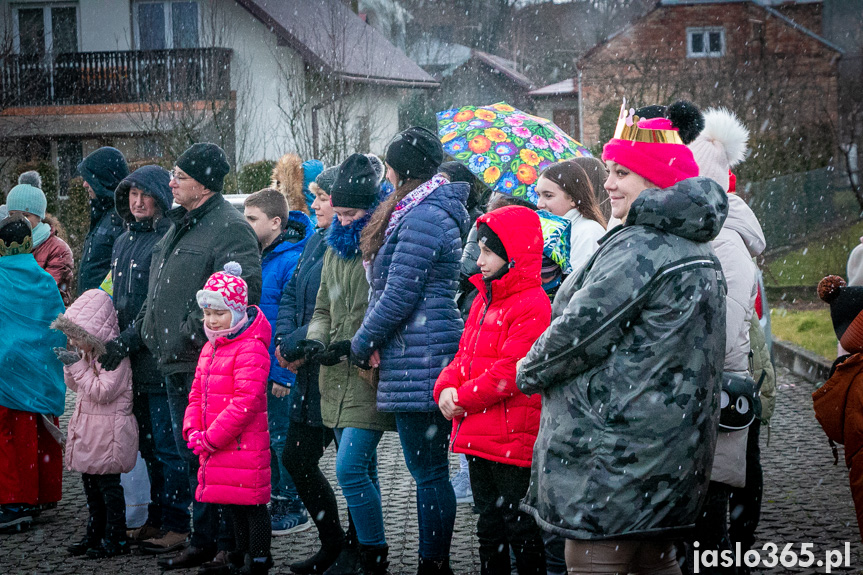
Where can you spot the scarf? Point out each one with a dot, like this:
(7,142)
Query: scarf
(410,201)
(345,240)
(41,233)
(213,335)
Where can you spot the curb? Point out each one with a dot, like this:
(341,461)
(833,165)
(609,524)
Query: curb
(802,362)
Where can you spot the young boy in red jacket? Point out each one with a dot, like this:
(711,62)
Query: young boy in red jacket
(494,424)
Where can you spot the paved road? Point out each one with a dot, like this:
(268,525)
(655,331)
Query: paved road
(806,500)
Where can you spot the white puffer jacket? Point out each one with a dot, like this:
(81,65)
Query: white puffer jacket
(740,240)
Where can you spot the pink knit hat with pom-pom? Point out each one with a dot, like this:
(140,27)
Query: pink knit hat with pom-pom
(226,290)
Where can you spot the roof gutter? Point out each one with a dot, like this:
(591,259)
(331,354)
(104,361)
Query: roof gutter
(421,84)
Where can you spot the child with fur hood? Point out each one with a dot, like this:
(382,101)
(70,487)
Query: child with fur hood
(226,420)
(102,441)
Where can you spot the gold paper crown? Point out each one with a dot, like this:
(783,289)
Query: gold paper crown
(14,249)
(627,129)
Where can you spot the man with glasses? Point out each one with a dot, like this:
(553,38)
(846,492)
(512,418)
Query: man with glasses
(206,232)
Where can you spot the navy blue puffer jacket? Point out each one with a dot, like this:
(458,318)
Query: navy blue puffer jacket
(412,316)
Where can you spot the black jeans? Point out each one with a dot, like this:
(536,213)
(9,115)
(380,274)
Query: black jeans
(497,490)
(304,446)
(107,507)
(252,529)
(711,530)
(745,502)
(206,517)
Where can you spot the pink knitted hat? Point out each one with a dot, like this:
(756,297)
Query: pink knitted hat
(664,164)
(226,290)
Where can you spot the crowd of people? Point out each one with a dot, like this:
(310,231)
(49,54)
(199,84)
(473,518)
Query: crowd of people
(591,358)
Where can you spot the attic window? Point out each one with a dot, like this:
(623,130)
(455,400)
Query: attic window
(705,42)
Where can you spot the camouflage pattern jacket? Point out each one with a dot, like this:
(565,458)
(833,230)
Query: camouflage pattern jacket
(629,372)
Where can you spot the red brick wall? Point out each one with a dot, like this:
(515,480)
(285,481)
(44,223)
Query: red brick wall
(787,80)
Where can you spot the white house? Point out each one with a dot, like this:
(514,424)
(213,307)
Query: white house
(261,77)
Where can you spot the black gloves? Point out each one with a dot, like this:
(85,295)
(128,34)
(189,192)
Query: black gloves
(309,349)
(338,352)
(360,363)
(115,351)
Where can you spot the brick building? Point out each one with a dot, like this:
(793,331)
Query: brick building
(768,63)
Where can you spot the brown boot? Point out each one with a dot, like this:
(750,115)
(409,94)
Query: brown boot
(146,531)
(166,543)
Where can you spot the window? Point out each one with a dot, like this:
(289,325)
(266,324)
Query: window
(705,42)
(69,155)
(45,29)
(164,25)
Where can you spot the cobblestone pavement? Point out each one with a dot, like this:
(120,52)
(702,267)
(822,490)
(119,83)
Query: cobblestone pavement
(807,499)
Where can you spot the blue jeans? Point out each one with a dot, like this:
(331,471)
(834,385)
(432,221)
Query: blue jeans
(357,472)
(425,439)
(168,472)
(279,419)
(206,517)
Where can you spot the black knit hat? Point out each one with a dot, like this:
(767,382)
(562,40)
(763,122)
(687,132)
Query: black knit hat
(415,153)
(356,184)
(207,164)
(486,235)
(846,305)
(327,178)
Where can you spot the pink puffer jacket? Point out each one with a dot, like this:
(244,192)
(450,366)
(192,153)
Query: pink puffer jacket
(103,433)
(228,402)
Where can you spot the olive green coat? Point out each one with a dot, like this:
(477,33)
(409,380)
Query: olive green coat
(348,397)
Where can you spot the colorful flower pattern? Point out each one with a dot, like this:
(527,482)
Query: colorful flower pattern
(505,147)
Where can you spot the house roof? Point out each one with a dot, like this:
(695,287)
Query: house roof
(433,53)
(567,87)
(329,36)
(763,4)
(504,66)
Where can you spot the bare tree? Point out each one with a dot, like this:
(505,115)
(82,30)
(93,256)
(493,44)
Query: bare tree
(326,115)
(189,94)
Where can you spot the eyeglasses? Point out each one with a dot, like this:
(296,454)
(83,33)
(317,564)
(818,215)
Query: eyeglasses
(178,177)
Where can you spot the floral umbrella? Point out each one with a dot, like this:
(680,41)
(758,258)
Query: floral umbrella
(504,147)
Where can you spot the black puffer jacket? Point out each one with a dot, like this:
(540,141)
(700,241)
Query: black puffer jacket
(104,169)
(296,309)
(130,269)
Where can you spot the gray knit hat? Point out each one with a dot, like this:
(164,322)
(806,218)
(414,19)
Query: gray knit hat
(327,178)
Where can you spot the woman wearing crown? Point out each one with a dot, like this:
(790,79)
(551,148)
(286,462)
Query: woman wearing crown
(629,370)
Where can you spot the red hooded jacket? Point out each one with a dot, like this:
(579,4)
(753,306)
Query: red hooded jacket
(500,423)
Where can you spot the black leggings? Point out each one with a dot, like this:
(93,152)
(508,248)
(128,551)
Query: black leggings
(304,447)
(107,506)
(252,529)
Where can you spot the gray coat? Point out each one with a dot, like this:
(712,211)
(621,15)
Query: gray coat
(629,372)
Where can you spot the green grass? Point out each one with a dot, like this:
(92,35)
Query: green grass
(823,256)
(810,329)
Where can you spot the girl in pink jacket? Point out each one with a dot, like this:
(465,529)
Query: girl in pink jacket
(102,441)
(226,421)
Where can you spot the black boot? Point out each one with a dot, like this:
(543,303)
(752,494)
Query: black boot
(434,567)
(91,540)
(109,548)
(260,567)
(320,561)
(347,563)
(374,559)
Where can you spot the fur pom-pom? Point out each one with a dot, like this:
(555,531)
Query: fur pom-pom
(234,269)
(830,287)
(722,127)
(687,118)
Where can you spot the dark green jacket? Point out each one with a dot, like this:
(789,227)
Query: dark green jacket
(347,399)
(629,372)
(198,244)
